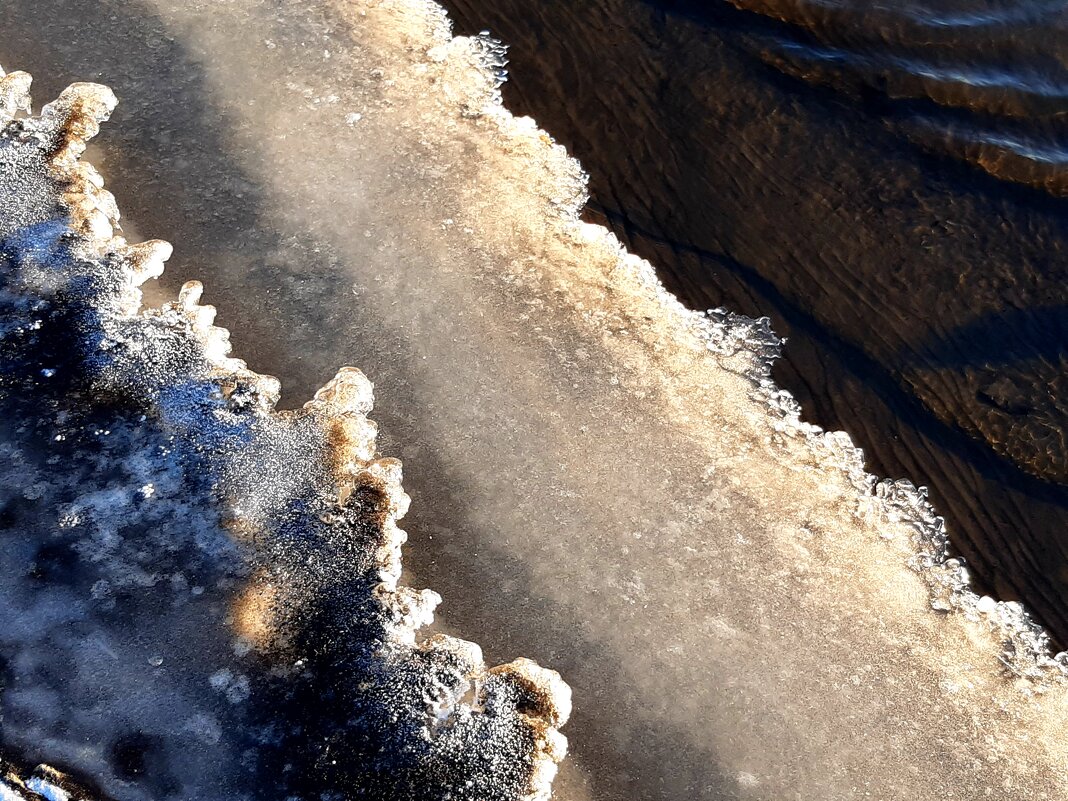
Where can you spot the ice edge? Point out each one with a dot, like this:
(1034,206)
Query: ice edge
(1025,650)
(65,126)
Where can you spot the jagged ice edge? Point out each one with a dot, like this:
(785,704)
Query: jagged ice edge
(73,119)
(1025,644)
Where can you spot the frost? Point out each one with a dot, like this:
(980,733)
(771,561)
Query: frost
(751,347)
(193,582)
(47,790)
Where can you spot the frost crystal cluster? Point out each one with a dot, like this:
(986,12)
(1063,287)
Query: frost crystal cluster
(199,595)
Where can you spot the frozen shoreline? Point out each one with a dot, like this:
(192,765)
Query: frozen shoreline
(731,604)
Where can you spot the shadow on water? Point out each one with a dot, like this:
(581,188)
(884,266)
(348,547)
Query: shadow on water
(883,264)
(167,156)
(1007,336)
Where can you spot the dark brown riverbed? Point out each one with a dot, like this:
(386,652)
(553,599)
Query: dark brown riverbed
(921,297)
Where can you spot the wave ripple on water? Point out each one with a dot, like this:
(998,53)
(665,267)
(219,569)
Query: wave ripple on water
(985,82)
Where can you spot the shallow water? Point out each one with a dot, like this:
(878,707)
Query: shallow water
(883,181)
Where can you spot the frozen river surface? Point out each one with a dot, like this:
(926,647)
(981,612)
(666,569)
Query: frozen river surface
(600,481)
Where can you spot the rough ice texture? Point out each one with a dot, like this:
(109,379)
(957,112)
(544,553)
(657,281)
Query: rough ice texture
(1024,644)
(742,610)
(200,595)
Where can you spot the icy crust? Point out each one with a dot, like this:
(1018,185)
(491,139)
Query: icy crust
(42,784)
(749,347)
(200,595)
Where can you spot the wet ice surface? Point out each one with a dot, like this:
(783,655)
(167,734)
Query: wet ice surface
(600,481)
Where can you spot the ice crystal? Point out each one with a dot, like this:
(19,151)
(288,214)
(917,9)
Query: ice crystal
(201,595)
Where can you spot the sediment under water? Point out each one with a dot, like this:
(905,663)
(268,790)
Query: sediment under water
(810,163)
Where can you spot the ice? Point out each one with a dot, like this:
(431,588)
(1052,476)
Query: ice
(47,790)
(601,480)
(145,457)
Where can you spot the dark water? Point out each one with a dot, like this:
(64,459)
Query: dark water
(984,81)
(885,180)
